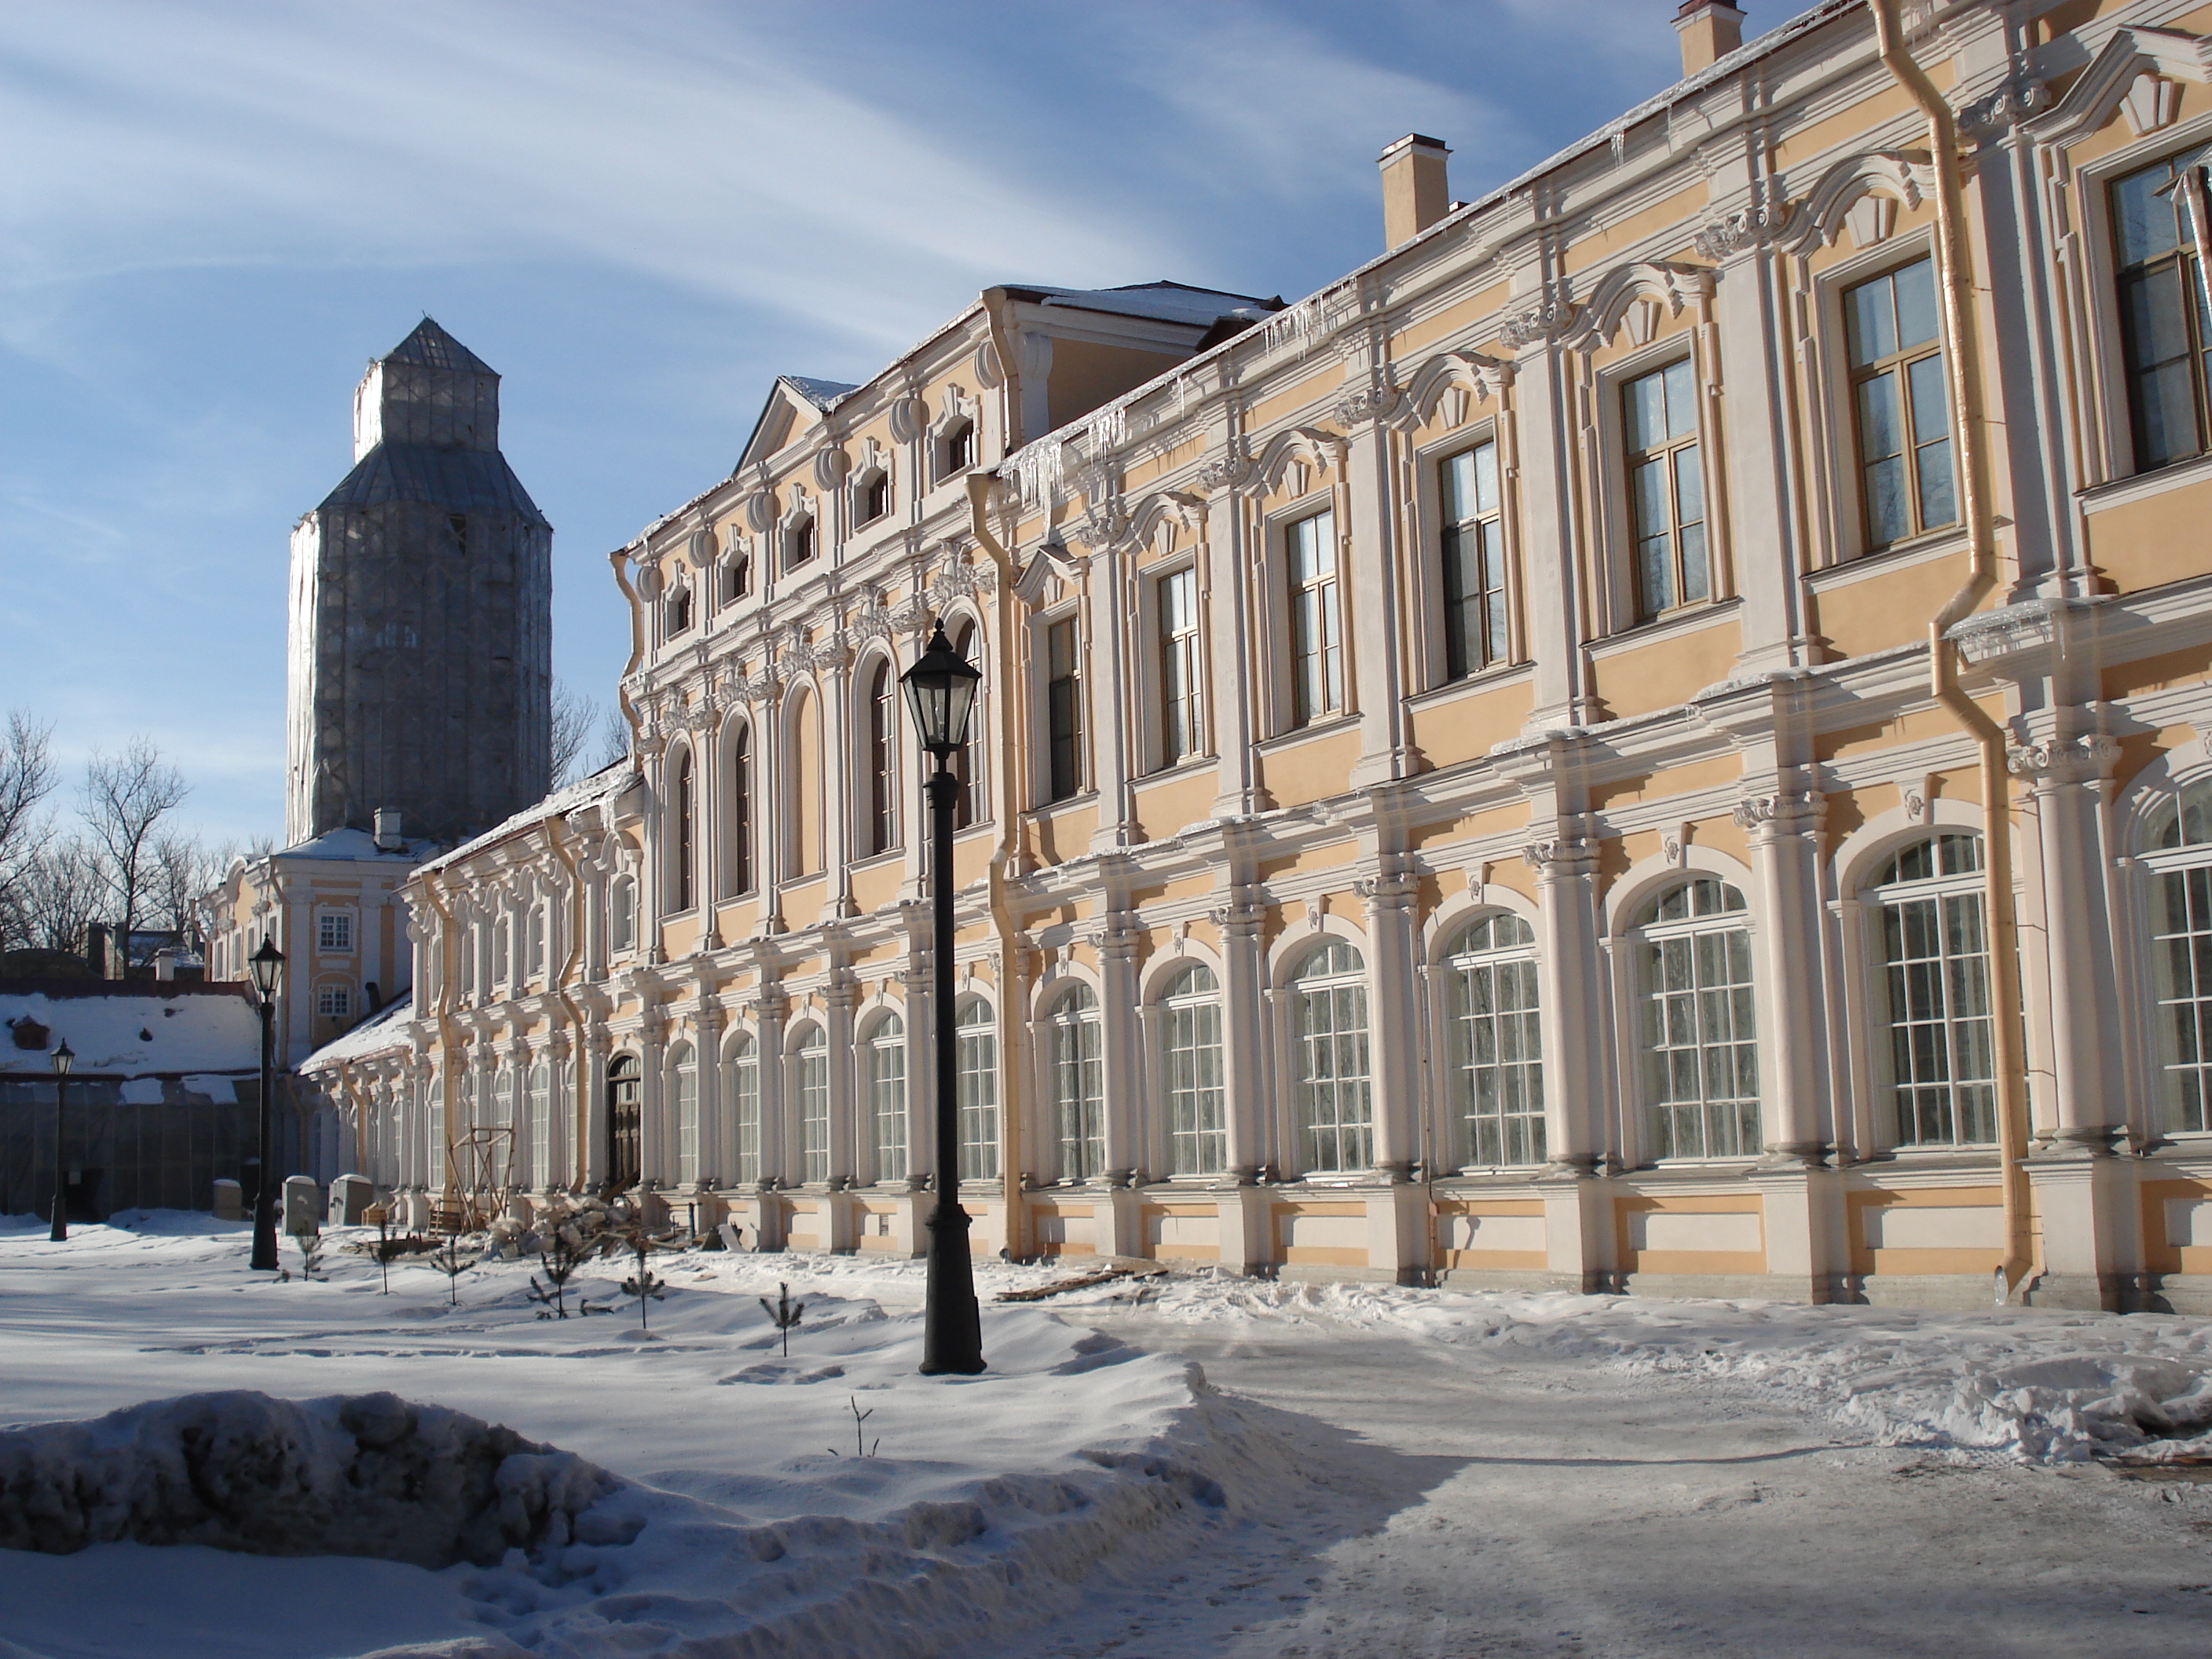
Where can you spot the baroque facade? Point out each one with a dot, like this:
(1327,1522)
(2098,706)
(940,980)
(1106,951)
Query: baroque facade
(1548,762)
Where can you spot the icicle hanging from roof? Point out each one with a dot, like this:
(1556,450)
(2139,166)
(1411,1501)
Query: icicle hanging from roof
(1312,319)
(1038,468)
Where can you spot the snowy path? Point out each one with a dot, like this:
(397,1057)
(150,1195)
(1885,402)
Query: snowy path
(1511,1502)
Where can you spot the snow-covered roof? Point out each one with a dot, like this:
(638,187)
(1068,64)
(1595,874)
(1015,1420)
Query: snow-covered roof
(379,1031)
(823,394)
(1165,301)
(605,784)
(344,846)
(154,1027)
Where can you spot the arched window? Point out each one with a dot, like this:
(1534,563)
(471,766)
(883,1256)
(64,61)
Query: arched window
(535,955)
(964,757)
(1190,1011)
(502,1106)
(1700,1045)
(737,578)
(539,1170)
(2180,864)
(976,1090)
(1073,1051)
(802,769)
(739,865)
(956,448)
(742,1079)
(1496,1077)
(502,955)
(1935,977)
(622,913)
(810,1095)
(625,1134)
(886,1082)
(680,805)
(684,1107)
(872,499)
(798,543)
(883,759)
(1328,1038)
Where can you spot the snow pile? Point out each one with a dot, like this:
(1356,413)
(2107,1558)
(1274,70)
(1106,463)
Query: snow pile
(2038,1386)
(368,1474)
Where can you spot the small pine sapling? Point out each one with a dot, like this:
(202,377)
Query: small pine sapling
(450,1261)
(860,1448)
(644,1286)
(785,1312)
(560,1254)
(311,1258)
(387,1249)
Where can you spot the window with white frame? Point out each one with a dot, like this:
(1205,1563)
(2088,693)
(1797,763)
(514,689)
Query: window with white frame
(682,821)
(1175,595)
(1901,405)
(976,1089)
(872,496)
(2179,862)
(1941,1069)
(967,766)
(955,449)
(622,913)
(885,1062)
(334,1002)
(1666,489)
(737,578)
(334,930)
(1329,1055)
(1495,1081)
(540,1171)
(434,1135)
(502,1100)
(809,1097)
(1063,710)
(738,866)
(1317,619)
(741,1077)
(798,543)
(2166,334)
(1700,1044)
(881,828)
(1190,1021)
(502,951)
(684,1073)
(1073,1049)
(1473,548)
(534,958)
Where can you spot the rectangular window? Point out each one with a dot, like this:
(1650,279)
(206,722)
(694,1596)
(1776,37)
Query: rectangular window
(1179,710)
(334,1002)
(1317,621)
(1901,405)
(1666,489)
(1063,699)
(1473,562)
(334,931)
(2165,332)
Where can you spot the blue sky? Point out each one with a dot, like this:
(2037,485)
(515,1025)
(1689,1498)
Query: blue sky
(214,214)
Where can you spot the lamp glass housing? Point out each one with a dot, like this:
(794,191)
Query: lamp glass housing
(267,966)
(940,695)
(65,1057)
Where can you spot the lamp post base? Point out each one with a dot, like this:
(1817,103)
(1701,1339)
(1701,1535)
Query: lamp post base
(952,1326)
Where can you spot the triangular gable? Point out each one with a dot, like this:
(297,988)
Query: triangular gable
(2099,91)
(792,405)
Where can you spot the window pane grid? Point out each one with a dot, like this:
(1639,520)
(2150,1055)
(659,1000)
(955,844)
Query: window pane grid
(1666,489)
(1198,1142)
(1063,711)
(1328,1033)
(744,1101)
(1942,1070)
(811,1077)
(1701,1052)
(976,1085)
(1906,479)
(1316,628)
(887,1098)
(1179,735)
(1078,1086)
(2182,942)
(2165,332)
(1475,617)
(1496,1079)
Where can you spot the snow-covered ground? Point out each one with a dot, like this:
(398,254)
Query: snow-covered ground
(1093,1494)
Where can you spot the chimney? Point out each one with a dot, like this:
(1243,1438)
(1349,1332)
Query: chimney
(1414,196)
(165,962)
(388,837)
(1710,30)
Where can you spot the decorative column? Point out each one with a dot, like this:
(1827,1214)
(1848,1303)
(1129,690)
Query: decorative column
(770,1223)
(840,1228)
(1578,1244)
(1243,1207)
(1372,588)
(1552,534)
(1230,604)
(1398,1235)
(2086,1198)
(1121,1228)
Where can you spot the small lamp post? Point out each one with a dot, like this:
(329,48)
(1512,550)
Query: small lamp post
(267,966)
(65,1057)
(940,693)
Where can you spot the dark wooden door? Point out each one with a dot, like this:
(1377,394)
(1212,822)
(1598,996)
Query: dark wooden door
(624,1147)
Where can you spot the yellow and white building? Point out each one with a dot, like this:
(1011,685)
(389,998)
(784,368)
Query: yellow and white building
(1548,762)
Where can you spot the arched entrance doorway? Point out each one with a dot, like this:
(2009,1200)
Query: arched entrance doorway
(624,1118)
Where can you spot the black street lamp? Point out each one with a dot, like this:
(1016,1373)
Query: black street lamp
(940,693)
(65,1057)
(267,966)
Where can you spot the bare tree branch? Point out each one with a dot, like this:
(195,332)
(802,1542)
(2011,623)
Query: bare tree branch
(63,889)
(574,716)
(26,778)
(124,802)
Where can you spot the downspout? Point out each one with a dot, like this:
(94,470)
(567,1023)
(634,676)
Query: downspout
(444,1016)
(1952,264)
(1004,860)
(560,984)
(619,558)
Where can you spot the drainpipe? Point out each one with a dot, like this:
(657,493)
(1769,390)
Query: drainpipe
(1953,258)
(619,558)
(1004,858)
(560,984)
(444,1016)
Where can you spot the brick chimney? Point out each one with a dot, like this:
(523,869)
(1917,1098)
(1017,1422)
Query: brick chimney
(1710,30)
(1414,194)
